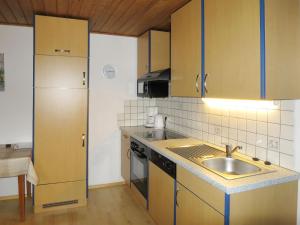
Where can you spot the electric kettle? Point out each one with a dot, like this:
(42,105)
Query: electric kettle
(159,122)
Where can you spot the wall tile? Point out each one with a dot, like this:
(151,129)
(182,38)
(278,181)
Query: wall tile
(261,141)
(225,132)
(262,127)
(273,129)
(242,124)
(273,157)
(287,105)
(287,132)
(286,146)
(251,115)
(251,126)
(286,161)
(251,138)
(242,136)
(250,151)
(233,134)
(261,153)
(262,115)
(233,123)
(274,116)
(287,117)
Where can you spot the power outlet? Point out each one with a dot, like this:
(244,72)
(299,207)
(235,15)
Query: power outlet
(273,144)
(218,131)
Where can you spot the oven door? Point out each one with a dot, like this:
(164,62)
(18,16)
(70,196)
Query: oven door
(139,172)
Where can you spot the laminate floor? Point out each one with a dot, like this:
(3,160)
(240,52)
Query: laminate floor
(106,206)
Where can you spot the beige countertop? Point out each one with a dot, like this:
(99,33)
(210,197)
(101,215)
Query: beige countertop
(278,176)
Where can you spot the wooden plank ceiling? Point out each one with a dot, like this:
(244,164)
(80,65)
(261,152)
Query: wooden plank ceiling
(123,17)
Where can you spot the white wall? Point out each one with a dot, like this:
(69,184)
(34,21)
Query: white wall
(16,101)
(297,148)
(106,98)
(106,101)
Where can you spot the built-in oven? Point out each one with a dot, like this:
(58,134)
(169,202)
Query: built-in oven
(140,155)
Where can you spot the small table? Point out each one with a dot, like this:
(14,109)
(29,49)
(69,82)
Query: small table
(18,163)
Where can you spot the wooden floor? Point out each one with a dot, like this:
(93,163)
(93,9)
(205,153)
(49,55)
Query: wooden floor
(106,206)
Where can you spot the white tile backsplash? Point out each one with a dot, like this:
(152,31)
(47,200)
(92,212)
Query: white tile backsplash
(265,134)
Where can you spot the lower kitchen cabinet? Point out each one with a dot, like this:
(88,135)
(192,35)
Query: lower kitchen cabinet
(274,205)
(125,157)
(191,210)
(161,196)
(200,203)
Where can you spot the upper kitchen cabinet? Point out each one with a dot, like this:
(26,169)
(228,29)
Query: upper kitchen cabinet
(153,52)
(282,49)
(61,36)
(232,49)
(186,50)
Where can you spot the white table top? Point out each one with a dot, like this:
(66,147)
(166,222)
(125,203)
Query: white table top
(17,162)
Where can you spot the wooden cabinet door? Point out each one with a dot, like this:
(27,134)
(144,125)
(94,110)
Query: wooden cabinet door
(60,72)
(125,157)
(282,49)
(193,211)
(186,50)
(143,55)
(60,134)
(160,50)
(232,49)
(61,36)
(161,196)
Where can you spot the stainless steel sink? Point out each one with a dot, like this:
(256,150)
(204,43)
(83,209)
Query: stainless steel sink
(230,166)
(215,161)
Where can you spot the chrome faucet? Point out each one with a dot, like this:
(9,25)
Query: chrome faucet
(229,150)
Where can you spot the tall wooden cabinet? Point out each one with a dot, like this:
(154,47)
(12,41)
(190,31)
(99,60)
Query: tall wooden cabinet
(186,50)
(60,112)
(232,49)
(153,51)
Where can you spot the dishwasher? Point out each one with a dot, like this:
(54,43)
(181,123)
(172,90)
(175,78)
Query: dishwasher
(162,184)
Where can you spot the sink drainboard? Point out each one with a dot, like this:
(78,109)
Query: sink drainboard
(196,151)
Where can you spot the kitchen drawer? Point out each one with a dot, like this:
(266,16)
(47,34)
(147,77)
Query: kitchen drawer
(59,195)
(205,191)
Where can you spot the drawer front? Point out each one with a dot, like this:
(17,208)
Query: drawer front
(60,194)
(205,191)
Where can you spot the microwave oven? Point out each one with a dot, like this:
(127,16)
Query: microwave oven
(153,89)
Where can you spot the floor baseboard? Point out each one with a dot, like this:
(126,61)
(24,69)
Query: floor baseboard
(115,184)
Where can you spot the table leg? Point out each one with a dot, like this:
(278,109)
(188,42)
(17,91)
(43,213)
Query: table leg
(21,185)
(28,187)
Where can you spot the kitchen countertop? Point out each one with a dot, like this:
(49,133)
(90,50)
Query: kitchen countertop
(280,175)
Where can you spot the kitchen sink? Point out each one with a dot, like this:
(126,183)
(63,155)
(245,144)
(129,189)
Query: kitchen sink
(230,166)
(214,160)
